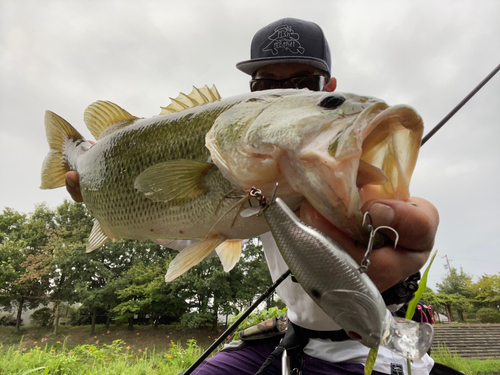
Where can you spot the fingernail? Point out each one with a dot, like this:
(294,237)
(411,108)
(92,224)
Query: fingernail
(382,214)
(70,182)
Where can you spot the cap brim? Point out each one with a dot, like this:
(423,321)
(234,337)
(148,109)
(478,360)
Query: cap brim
(250,66)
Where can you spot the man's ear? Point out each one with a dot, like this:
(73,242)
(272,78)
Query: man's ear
(331,85)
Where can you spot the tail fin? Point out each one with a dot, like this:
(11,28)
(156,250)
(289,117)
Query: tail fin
(55,165)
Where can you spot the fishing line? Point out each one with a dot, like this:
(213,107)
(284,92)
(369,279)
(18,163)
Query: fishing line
(460,105)
(235,325)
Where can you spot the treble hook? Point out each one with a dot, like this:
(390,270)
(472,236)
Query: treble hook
(261,198)
(365,263)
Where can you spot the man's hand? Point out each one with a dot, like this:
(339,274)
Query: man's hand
(73,186)
(416,225)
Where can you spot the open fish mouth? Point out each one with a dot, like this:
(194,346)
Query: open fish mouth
(390,144)
(371,156)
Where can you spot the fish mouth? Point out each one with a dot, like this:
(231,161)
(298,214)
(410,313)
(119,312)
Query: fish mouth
(390,145)
(373,158)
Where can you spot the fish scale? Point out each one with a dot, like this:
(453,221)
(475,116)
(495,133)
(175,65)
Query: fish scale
(126,211)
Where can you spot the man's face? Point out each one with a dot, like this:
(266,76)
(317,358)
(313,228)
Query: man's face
(288,75)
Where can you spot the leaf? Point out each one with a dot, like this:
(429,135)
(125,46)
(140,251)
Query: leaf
(35,369)
(370,361)
(422,286)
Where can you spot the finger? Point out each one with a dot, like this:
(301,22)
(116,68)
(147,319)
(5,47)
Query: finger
(331,85)
(73,186)
(416,221)
(389,266)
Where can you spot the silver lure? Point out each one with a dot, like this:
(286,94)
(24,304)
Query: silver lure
(333,280)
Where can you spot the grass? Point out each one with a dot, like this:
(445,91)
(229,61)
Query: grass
(97,359)
(465,365)
(143,351)
(139,338)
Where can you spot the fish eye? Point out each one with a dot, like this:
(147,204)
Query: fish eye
(332,101)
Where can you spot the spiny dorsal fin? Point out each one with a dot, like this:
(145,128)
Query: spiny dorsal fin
(179,180)
(100,115)
(195,98)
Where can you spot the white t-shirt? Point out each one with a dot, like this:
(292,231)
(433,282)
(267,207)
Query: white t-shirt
(303,311)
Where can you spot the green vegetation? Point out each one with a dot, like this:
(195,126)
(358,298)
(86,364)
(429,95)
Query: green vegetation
(467,366)
(463,300)
(255,318)
(146,351)
(488,315)
(116,358)
(44,266)
(117,350)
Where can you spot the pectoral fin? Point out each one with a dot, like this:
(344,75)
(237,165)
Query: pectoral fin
(173,180)
(97,237)
(229,253)
(191,256)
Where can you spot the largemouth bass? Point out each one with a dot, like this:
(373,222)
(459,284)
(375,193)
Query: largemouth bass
(173,176)
(333,280)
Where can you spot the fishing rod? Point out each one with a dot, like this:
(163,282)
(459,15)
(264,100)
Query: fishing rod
(287,273)
(460,105)
(235,325)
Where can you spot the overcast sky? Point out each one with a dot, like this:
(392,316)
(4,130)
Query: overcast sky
(64,55)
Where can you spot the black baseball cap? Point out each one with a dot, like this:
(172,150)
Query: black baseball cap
(288,40)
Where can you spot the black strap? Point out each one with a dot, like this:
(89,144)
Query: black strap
(278,351)
(339,335)
(440,369)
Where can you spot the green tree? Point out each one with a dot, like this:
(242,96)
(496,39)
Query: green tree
(255,278)
(211,292)
(66,247)
(11,225)
(455,282)
(143,290)
(447,303)
(454,285)
(486,291)
(24,266)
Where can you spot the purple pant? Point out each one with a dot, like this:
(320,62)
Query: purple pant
(247,361)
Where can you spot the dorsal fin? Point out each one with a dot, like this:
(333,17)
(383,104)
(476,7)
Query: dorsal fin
(195,98)
(101,115)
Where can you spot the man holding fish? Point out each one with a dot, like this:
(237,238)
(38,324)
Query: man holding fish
(291,53)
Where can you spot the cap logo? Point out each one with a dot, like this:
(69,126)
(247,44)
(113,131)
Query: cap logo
(284,39)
